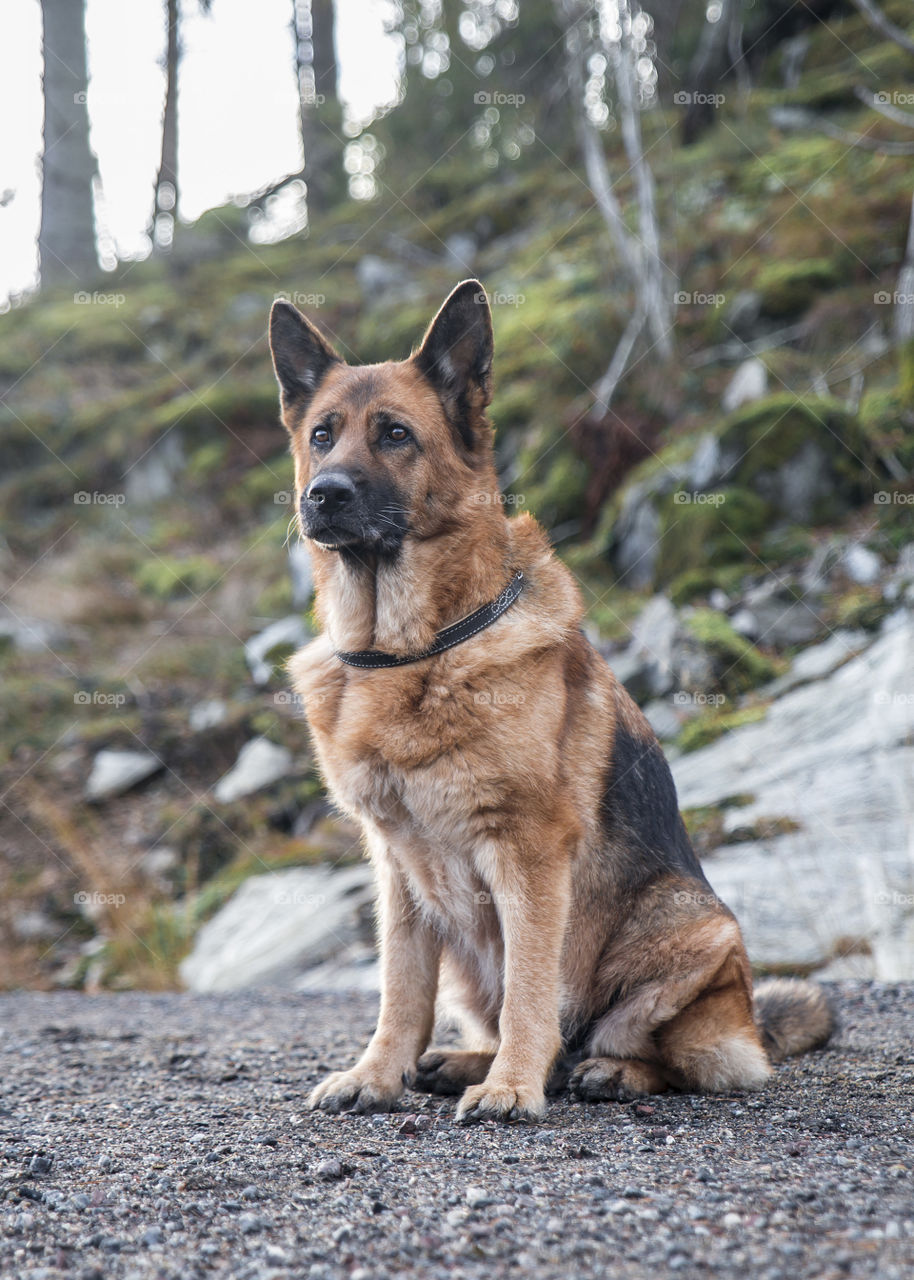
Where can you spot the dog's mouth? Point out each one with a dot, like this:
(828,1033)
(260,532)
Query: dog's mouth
(371,536)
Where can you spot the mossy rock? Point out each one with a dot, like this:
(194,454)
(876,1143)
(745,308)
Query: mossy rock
(809,459)
(714,724)
(166,577)
(743,665)
(788,288)
(697,534)
(553,490)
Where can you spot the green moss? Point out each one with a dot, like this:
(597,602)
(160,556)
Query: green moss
(711,725)
(553,488)
(168,576)
(699,533)
(744,666)
(863,607)
(906,373)
(769,435)
(788,288)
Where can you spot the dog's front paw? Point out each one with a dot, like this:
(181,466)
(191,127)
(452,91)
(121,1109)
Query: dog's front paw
(500,1102)
(357,1090)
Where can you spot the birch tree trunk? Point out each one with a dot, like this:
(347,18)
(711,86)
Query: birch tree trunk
(166,191)
(66,240)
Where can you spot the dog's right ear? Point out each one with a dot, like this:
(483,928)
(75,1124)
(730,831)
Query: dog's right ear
(301,355)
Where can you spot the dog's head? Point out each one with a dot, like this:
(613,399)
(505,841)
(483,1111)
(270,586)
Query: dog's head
(389,451)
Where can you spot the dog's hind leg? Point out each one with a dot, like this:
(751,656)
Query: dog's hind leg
(450,1071)
(713,1044)
(693,1029)
(616,1080)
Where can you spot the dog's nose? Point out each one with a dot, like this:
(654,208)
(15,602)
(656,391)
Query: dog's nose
(330,492)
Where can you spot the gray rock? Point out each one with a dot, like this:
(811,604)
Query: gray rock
(837,757)
(773,615)
(662,719)
(653,637)
(861,564)
(743,313)
(277,926)
(33,635)
(635,539)
(818,661)
(207,715)
(155,474)
(160,862)
(799,484)
(114,772)
(382,280)
(33,926)
(749,382)
(302,574)
(461,250)
(704,466)
(278,637)
(260,763)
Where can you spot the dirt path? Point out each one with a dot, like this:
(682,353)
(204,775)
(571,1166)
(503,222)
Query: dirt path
(164,1136)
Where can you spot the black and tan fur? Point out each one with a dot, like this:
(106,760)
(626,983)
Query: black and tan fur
(535,878)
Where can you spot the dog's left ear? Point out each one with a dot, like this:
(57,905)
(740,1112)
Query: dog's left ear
(301,355)
(456,356)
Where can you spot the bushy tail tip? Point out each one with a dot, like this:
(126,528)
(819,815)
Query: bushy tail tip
(792,1015)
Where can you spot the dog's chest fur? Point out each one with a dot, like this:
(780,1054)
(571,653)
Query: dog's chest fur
(407,760)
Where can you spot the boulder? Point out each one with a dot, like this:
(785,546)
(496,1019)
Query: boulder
(861,564)
(260,763)
(277,641)
(836,757)
(276,927)
(114,772)
(774,460)
(749,382)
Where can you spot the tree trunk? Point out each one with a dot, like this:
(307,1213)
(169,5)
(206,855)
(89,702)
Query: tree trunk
(319,103)
(66,241)
(165,204)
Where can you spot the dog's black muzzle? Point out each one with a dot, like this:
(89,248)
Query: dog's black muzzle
(344,511)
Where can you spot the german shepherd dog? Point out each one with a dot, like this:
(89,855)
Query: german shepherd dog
(533,870)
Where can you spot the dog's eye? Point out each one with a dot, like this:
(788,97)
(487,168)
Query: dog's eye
(397,433)
(320,435)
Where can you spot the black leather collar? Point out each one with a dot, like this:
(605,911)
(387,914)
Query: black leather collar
(456,633)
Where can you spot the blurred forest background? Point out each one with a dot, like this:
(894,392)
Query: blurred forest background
(694,224)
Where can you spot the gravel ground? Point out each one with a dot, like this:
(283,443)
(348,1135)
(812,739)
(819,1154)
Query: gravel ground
(164,1136)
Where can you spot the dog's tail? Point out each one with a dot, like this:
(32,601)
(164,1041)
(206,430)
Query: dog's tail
(793,1016)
